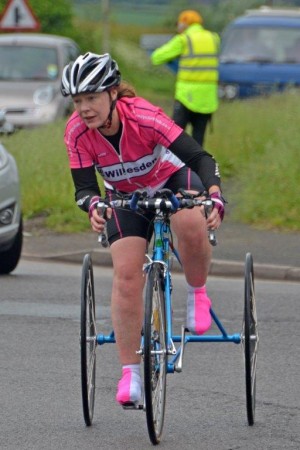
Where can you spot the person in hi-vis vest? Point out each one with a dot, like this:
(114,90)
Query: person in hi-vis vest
(196,90)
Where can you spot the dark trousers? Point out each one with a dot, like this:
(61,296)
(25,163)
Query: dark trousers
(182,116)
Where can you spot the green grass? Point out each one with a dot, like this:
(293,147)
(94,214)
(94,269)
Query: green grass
(257,145)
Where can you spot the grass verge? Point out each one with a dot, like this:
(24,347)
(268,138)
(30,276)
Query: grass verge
(257,145)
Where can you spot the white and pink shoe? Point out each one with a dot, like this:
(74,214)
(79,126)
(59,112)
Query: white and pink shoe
(198,310)
(129,387)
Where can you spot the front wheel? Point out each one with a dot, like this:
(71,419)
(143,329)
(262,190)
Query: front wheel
(155,352)
(88,340)
(250,339)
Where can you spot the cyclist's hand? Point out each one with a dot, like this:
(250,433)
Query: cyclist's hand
(217,214)
(97,219)
(213,220)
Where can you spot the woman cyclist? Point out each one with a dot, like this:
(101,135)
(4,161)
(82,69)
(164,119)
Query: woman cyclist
(134,145)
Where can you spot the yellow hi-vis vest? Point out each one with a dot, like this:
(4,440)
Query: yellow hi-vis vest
(199,60)
(197,80)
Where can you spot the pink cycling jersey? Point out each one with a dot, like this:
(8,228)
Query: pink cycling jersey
(144,159)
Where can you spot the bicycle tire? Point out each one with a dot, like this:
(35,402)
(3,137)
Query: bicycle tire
(155,364)
(88,341)
(250,339)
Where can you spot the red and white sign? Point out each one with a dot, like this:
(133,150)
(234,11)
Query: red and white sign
(18,16)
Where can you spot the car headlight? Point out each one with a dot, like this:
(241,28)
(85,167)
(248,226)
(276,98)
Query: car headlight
(7,215)
(43,95)
(3,157)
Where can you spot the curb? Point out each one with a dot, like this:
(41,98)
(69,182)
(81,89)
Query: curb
(218,267)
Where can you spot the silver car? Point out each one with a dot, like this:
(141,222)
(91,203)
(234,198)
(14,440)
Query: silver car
(11,226)
(30,74)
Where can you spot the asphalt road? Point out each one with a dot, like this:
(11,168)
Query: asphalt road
(206,407)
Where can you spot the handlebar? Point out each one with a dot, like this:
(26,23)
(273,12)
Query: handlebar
(163,201)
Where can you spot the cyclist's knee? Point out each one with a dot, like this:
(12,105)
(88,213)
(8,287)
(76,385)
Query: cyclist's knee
(128,280)
(191,227)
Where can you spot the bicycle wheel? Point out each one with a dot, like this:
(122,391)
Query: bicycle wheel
(250,339)
(155,353)
(88,341)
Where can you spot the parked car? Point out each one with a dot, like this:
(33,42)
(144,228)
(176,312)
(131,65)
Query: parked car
(11,225)
(30,74)
(260,53)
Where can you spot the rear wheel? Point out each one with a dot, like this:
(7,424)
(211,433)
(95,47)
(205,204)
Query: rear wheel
(250,339)
(88,340)
(155,353)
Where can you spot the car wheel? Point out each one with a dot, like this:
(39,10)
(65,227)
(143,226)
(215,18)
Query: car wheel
(10,258)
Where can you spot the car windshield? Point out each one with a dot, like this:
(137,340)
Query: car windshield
(28,63)
(262,45)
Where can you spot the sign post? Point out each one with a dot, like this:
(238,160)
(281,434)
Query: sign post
(18,16)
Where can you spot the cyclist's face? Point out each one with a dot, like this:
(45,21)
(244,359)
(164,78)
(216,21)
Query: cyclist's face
(93,107)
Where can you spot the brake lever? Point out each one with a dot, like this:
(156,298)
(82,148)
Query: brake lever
(212,237)
(102,238)
(211,233)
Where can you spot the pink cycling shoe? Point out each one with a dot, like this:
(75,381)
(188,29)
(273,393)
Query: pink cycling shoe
(198,310)
(129,388)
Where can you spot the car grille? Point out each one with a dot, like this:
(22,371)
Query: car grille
(16,111)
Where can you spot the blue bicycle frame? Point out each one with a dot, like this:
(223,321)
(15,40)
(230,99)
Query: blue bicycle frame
(161,254)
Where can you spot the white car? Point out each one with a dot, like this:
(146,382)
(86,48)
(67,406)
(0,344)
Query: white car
(30,76)
(11,226)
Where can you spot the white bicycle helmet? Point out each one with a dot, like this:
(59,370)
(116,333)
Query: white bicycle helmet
(90,73)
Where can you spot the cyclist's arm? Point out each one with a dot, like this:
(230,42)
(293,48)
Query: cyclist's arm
(199,160)
(86,186)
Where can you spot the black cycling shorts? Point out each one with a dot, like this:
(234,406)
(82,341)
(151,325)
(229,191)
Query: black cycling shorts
(126,223)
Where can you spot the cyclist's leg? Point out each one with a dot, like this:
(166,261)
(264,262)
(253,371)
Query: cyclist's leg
(195,252)
(191,229)
(127,232)
(128,256)
(194,249)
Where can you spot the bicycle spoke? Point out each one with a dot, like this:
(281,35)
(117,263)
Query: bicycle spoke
(91,366)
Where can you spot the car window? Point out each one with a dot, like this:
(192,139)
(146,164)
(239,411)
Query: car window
(28,63)
(71,52)
(261,44)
